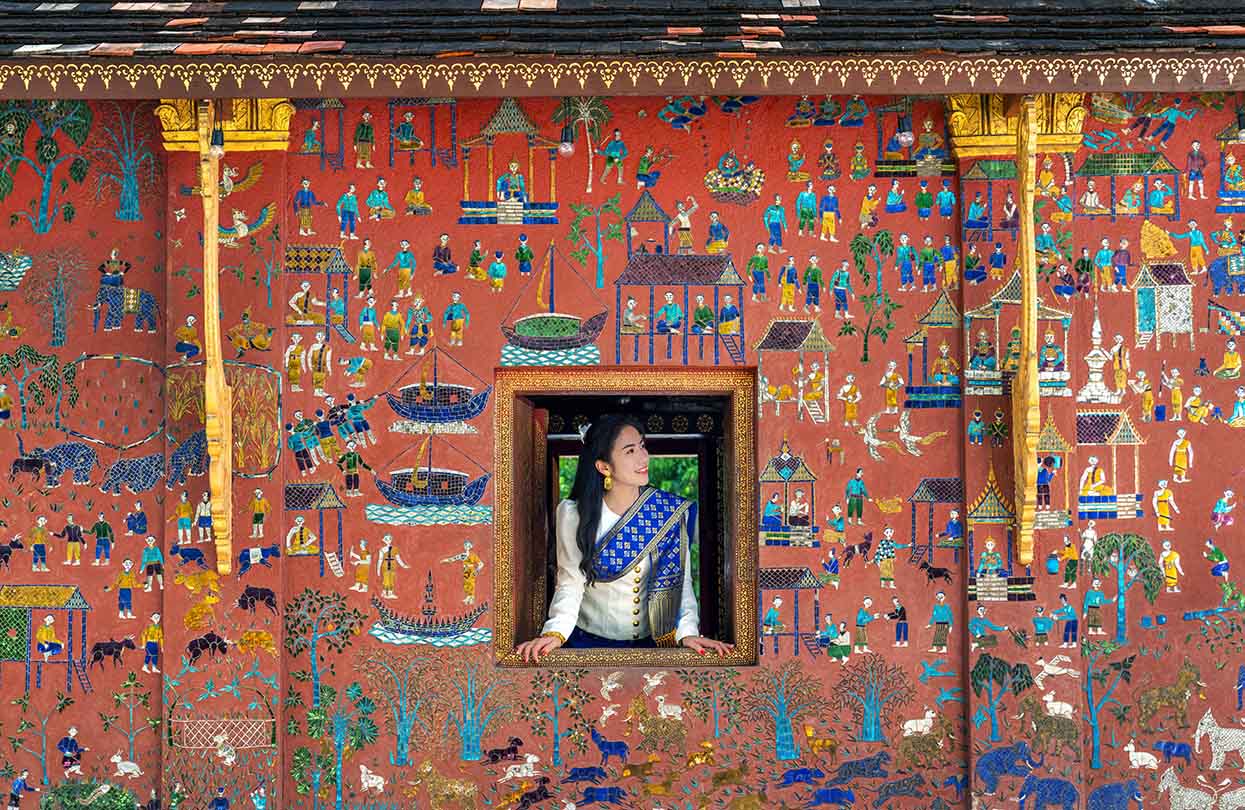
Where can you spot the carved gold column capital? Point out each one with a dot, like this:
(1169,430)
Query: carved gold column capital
(249,124)
(986,124)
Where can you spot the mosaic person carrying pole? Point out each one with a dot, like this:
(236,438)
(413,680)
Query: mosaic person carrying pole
(624,578)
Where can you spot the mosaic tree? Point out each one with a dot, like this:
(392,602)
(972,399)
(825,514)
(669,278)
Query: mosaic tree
(39,377)
(1102,678)
(565,696)
(348,719)
(781,697)
(402,680)
(991,679)
(135,702)
(50,119)
(54,284)
(125,163)
(475,704)
(589,112)
(713,692)
(32,735)
(1130,558)
(313,618)
(879,306)
(593,243)
(871,689)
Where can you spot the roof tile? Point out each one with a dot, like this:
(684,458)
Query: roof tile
(322,46)
(197,49)
(115,48)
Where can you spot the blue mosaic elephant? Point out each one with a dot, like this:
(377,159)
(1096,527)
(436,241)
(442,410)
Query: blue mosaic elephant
(190,457)
(1116,797)
(121,302)
(77,457)
(1010,760)
(1224,273)
(137,474)
(1046,793)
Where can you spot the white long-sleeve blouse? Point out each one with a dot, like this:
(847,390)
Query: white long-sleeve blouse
(614,610)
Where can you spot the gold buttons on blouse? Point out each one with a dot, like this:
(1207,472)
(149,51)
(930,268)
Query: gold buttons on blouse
(636,600)
(635,623)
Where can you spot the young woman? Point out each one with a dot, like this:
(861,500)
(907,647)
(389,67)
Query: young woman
(624,578)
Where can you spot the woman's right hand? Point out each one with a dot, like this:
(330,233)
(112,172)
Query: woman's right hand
(531,651)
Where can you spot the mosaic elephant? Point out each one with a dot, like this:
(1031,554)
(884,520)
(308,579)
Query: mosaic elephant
(1046,793)
(76,457)
(1011,760)
(136,474)
(122,301)
(190,457)
(1226,271)
(1116,797)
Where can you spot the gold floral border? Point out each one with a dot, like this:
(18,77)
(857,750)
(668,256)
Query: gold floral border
(47,76)
(740,385)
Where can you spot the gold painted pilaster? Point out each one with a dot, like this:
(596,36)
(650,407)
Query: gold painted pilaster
(217,395)
(986,125)
(249,124)
(1026,415)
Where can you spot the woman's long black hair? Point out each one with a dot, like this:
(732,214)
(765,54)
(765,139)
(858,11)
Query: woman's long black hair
(589,486)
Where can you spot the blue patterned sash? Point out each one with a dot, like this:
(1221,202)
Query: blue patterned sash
(659,524)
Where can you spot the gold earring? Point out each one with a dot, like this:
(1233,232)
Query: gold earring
(609,481)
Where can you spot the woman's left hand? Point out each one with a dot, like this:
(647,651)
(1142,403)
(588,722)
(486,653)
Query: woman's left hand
(704,646)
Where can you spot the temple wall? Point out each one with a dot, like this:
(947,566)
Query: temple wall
(291,663)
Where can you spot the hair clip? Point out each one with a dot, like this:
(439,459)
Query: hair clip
(583,432)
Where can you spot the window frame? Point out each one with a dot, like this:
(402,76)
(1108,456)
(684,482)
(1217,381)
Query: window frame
(521,464)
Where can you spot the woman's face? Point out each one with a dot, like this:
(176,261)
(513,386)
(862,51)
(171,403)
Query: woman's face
(628,461)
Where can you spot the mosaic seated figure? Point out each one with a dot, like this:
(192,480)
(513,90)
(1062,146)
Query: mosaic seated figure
(1230,367)
(404,137)
(1094,481)
(929,144)
(828,112)
(1091,200)
(945,368)
(1050,356)
(978,217)
(1011,362)
(1130,202)
(990,563)
(772,516)
(854,113)
(1233,175)
(1162,199)
(795,163)
(805,112)
(983,358)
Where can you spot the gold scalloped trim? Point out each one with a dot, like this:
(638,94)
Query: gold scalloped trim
(766,75)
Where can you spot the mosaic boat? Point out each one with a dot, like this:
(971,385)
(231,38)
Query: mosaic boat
(551,330)
(438,402)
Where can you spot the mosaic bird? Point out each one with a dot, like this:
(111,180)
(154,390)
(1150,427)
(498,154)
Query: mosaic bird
(870,434)
(229,182)
(910,440)
(610,683)
(652,680)
(241,228)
